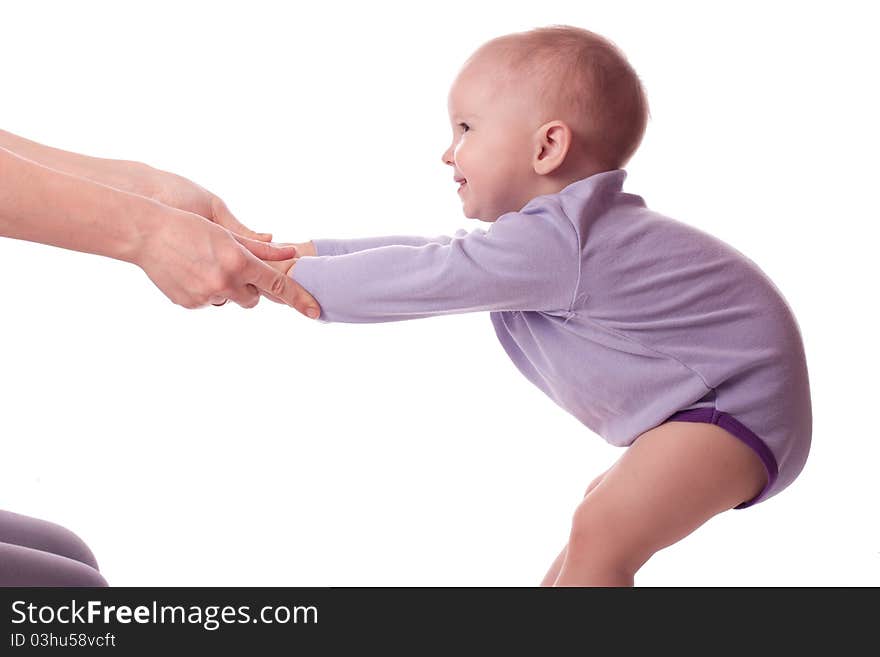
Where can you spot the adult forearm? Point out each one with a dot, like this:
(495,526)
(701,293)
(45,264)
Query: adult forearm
(193,260)
(122,174)
(42,204)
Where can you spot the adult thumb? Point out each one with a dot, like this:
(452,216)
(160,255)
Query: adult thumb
(224,217)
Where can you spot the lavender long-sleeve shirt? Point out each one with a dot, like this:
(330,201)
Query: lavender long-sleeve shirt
(621,315)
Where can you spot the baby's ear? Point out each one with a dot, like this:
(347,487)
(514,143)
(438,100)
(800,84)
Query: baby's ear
(551,148)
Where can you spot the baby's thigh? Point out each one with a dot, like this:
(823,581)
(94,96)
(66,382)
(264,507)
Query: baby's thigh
(17,529)
(670,481)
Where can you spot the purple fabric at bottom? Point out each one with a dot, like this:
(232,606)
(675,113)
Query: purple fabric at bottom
(741,431)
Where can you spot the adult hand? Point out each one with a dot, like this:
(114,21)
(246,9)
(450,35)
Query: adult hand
(103,207)
(178,192)
(196,262)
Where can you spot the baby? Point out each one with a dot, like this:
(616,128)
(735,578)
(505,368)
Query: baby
(655,335)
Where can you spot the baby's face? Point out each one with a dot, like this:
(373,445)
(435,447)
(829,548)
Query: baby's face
(493,126)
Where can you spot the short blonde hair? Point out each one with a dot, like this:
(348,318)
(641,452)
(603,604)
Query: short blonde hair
(587,79)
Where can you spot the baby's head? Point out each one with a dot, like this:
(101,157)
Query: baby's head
(534,111)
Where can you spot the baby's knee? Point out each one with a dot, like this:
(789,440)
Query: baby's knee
(598,536)
(588,530)
(594,483)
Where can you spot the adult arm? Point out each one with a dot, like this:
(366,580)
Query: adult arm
(527,260)
(134,177)
(189,258)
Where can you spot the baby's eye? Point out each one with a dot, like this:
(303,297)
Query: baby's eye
(464,127)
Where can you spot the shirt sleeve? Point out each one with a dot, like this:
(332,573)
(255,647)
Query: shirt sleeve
(336,247)
(527,260)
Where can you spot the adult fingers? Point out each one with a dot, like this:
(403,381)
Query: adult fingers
(222,216)
(270,297)
(281,286)
(173,291)
(246,296)
(266,250)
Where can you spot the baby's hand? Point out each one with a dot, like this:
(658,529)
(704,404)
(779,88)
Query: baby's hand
(284,266)
(302,249)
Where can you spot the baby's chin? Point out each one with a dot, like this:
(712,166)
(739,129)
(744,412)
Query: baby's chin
(488,217)
(478,217)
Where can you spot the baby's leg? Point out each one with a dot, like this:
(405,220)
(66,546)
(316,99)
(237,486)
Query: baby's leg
(669,482)
(553,573)
(16,529)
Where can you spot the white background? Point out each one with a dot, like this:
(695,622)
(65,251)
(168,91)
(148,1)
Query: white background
(231,447)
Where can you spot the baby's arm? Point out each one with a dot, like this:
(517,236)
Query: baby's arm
(525,261)
(335,247)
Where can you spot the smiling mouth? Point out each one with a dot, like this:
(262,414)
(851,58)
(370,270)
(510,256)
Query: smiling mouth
(461,186)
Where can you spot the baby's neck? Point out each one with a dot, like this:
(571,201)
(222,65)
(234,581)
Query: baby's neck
(556,182)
